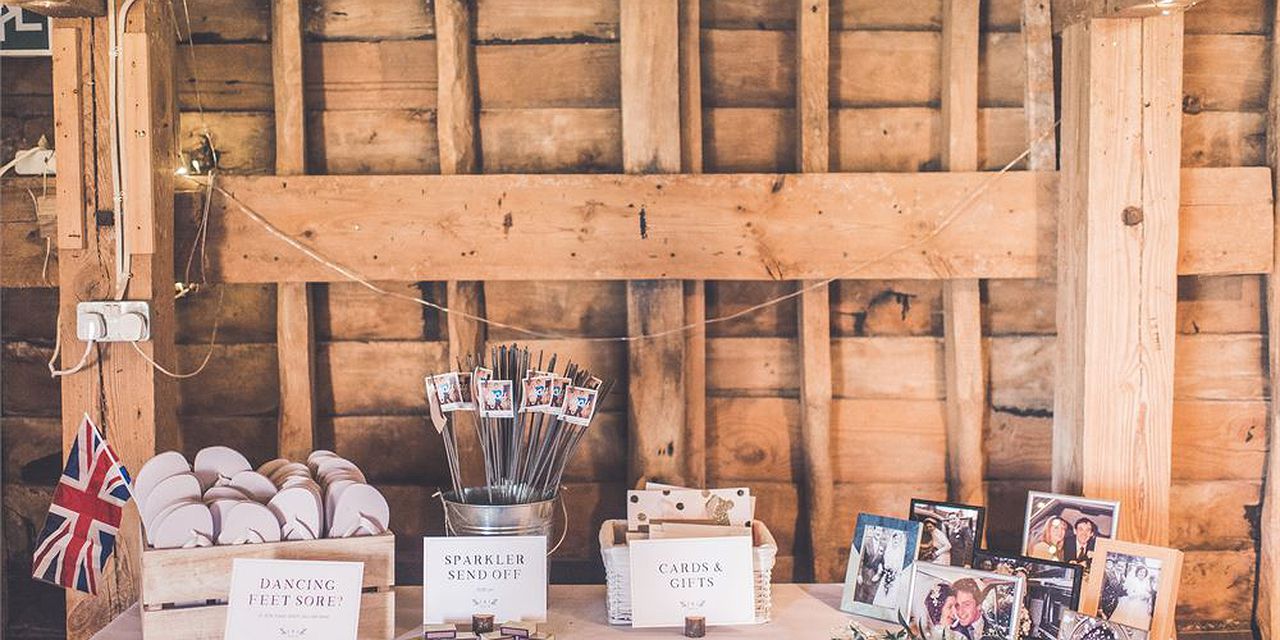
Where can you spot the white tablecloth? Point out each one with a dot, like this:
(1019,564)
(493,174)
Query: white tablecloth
(577,612)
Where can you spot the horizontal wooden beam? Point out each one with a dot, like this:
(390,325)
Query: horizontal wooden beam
(63,8)
(1067,12)
(745,226)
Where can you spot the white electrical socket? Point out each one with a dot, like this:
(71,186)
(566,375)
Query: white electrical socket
(113,321)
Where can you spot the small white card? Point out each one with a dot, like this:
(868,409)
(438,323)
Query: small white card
(709,577)
(273,599)
(502,575)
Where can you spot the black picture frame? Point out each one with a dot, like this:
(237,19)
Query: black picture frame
(980,523)
(1049,619)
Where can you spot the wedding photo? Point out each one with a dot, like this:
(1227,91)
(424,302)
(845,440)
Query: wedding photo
(1134,585)
(1129,590)
(1078,626)
(950,532)
(972,604)
(881,559)
(1052,588)
(1067,528)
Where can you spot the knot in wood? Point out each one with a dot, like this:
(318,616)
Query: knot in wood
(1131,215)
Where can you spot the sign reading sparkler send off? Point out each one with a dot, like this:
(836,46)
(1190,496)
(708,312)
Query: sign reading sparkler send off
(503,576)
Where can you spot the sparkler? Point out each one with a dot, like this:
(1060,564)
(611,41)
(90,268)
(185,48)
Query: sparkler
(529,421)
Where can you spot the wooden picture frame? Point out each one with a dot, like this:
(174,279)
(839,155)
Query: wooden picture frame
(1166,565)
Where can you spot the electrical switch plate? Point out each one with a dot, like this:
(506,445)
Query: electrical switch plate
(113,321)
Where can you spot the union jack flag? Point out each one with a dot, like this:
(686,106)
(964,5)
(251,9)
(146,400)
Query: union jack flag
(80,531)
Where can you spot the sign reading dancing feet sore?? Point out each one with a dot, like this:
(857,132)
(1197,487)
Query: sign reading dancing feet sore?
(274,599)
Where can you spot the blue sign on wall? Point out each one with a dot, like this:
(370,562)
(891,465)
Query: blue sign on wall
(25,33)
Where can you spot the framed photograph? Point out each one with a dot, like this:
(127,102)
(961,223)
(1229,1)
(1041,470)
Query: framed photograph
(950,532)
(1067,528)
(967,604)
(1078,626)
(1135,585)
(877,583)
(1051,588)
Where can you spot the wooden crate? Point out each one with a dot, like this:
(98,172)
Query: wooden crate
(184,591)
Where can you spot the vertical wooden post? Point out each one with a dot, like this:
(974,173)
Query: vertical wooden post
(1267,611)
(656,428)
(1117,260)
(961,303)
(458,131)
(695,291)
(295,328)
(813,37)
(135,405)
(1038,104)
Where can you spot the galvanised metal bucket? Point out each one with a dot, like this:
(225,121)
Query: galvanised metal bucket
(476,518)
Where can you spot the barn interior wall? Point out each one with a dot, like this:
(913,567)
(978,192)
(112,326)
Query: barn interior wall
(549,97)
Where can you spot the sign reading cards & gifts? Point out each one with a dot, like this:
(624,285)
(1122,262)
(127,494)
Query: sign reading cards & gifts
(679,577)
(294,599)
(501,575)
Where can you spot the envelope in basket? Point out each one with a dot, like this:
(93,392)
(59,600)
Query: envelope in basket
(731,506)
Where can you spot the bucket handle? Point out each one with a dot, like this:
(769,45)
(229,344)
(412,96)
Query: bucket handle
(564,530)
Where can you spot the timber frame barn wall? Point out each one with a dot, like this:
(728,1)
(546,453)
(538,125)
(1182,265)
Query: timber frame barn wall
(929,367)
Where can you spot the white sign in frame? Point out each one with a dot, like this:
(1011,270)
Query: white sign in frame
(678,577)
(272,599)
(502,575)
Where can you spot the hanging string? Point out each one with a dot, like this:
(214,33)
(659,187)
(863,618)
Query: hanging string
(949,217)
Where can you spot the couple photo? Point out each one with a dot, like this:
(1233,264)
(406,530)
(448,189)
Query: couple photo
(965,605)
(950,532)
(1129,590)
(1067,528)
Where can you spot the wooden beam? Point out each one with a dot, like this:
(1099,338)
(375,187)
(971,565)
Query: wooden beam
(1038,102)
(695,291)
(735,227)
(458,132)
(962,304)
(63,8)
(1069,12)
(813,36)
(69,131)
(133,404)
(1118,238)
(656,428)
(295,330)
(1267,605)
(457,123)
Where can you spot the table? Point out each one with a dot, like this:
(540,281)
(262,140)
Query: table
(577,612)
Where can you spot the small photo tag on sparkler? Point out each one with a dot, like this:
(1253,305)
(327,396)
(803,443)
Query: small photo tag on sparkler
(537,394)
(558,388)
(579,405)
(496,399)
(449,392)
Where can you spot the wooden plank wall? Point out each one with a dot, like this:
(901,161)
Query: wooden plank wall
(549,101)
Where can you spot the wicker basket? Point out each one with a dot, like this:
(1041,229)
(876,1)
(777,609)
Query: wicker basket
(617,569)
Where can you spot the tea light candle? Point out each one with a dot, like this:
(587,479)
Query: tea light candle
(482,622)
(695,626)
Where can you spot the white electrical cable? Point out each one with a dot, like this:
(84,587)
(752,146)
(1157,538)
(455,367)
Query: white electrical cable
(124,260)
(18,157)
(54,372)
